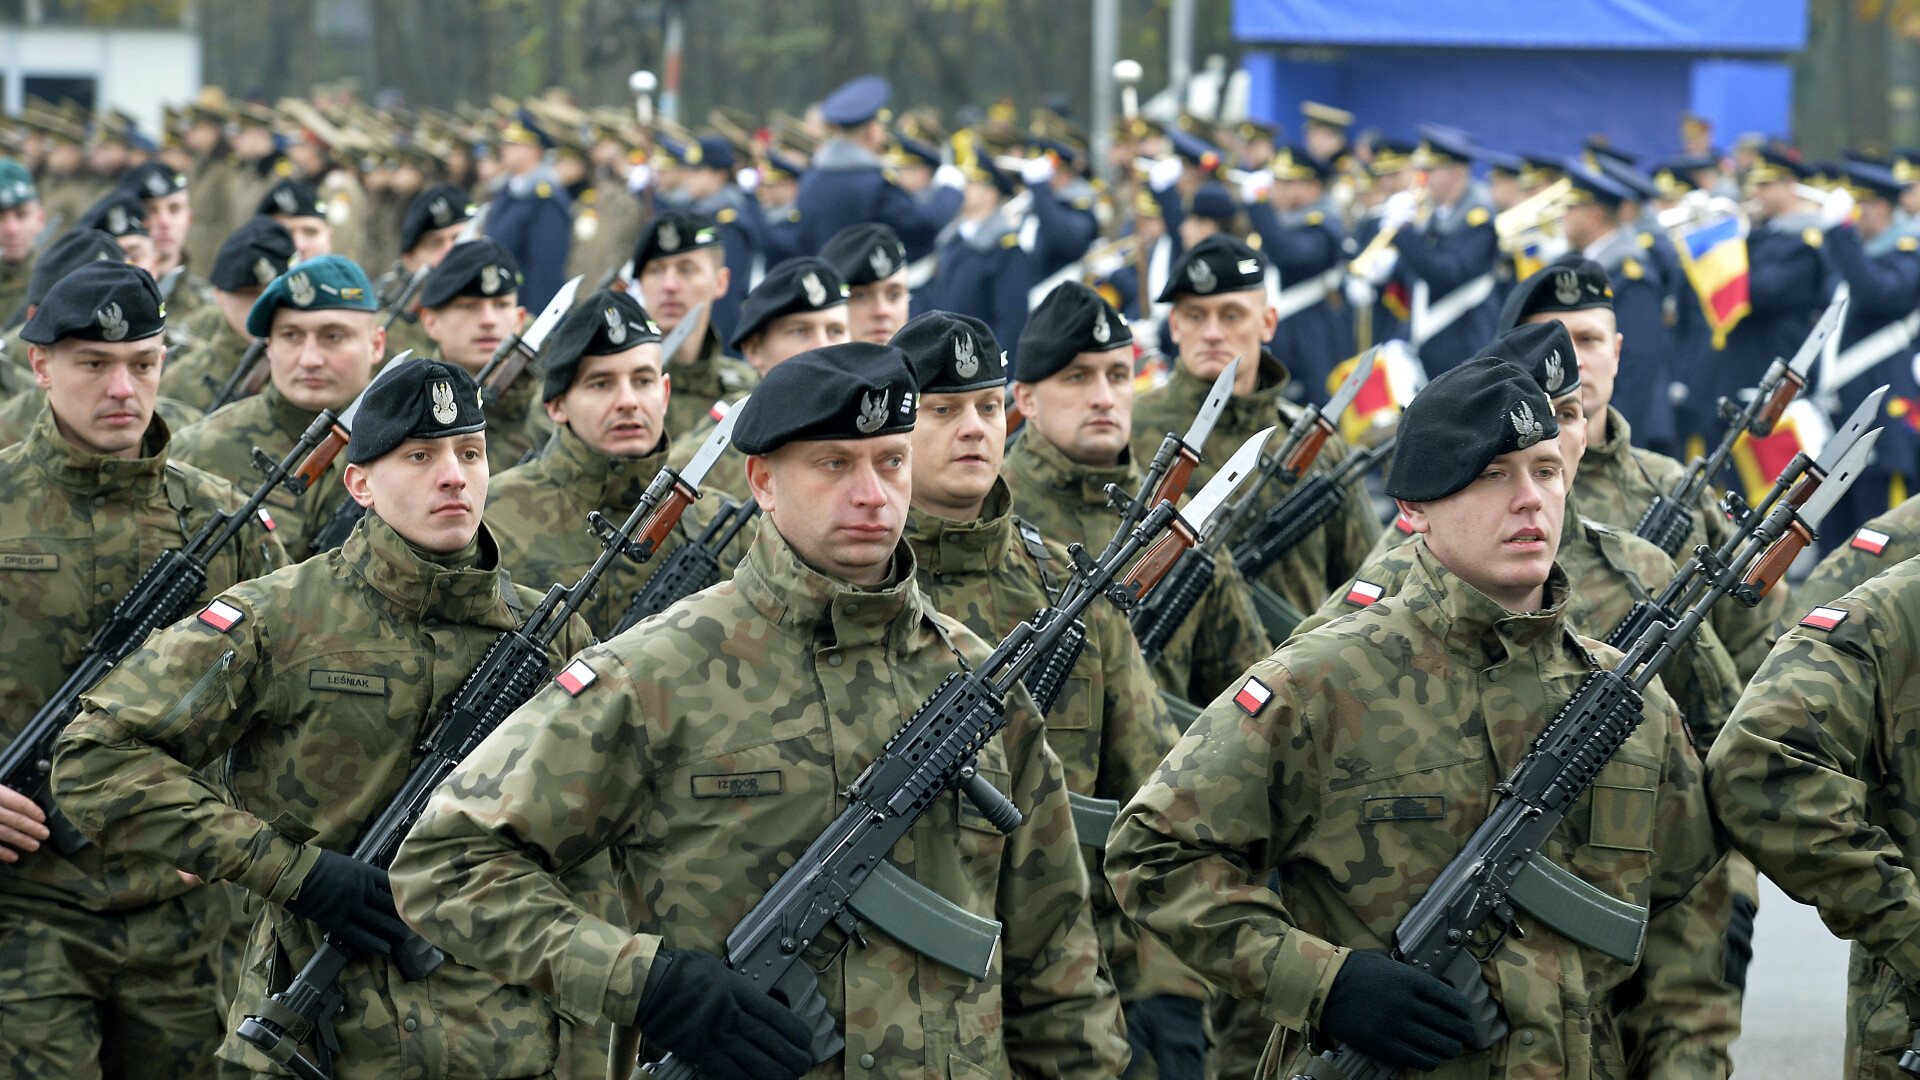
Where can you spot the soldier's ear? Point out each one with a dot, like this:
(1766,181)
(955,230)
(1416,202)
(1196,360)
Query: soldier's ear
(37,358)
(760,481)
(1415,515)
(357,487)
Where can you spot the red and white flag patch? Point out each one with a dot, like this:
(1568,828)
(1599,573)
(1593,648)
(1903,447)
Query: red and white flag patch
(1365,592)
(1400,522)
(720,410)
(1253,696)
(265,518)
(222,616)
(576,677)
(1824,618)
(1871,541)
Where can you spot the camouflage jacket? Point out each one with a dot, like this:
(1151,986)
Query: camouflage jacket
(316,698)
(191,295)
(406,333)
(1617,482)
(1886,541)
(1610,570)
(197,373)
(1108,725)
(14,275)
(715,376)
(75,536)
(517,424)
(1221,639)
(223,445)
(538,512)
(1371,762)
(708,749)
(1321,562)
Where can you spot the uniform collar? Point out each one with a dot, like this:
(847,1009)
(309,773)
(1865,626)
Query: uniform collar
(944,546)
(77,471)
(808,604)
(573,466)
(1034,455)
(423,591)
(1619,438)
(1251,411)
(702,375)
(1469,624)
(291,419)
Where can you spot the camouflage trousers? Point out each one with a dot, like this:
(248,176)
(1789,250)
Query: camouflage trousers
(129,994)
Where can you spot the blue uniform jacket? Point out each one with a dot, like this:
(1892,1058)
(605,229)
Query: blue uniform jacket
(529,217)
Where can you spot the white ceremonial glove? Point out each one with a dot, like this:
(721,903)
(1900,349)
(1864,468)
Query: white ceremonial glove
(1836,208)
(1165,173)
(1255,187)
(1400,208)
(950,176)
(1038,170)
(639,177)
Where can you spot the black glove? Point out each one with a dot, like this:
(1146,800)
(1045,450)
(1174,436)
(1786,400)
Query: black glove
(353,900)
(1396,1012)
(719,1022)
(1172,1031)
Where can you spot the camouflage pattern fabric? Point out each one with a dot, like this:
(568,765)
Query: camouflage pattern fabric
(1220,640)
(191,296)
(1321,562)
(14,276)
(1370,763)
(197,373)
(1854,559)
(708,751)
(223,445)
(316,696)
(715,376)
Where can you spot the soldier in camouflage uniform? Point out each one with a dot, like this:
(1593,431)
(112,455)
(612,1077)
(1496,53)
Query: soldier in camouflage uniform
(873,262)
(1618,480)
(110,963)
(1355,771)
(1880,544)
(607,398)
(1814,778)
(468,306)
(1074,373)
(981,564)
(709,788)
(316,684)
(163,190)
(322,344)
(1220,312)
(248,262)
(679,262)
(297,206)
(22,219)
(429,228)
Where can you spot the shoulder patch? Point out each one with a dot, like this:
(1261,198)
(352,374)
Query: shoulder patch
(1824,618)
(1253,696)
(1010,240)
(726,216)
(1813,237)
(1907,243)
(1400,522)
(1314,218)
(576,677)
(543,189)
(1362,593)
(265,518)
(1478,216)
(222,616)
(1632,269)
(1871,541)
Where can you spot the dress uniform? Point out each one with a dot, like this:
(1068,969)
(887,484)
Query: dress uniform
(848,184)
(316,684)
(111,963)
(17,194)
(1787,284)
(718,785)
(529,217)
(1449,261)
(742,230)
(987,263)
(1060,212)
(1306,247)
(485,270)
(712,376)
(1379,300)
(1353,774)
(249,261)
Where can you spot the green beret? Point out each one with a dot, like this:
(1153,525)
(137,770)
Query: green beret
(326,281)
(16,185)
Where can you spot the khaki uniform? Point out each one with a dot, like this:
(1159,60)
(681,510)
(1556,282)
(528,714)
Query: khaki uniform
(223,445)
(1365,771)
(1617,482)
(1321,562)
(1221,638)
(316,698)
(1854,559)
(785,684)
(210,188)
(196,374)
(109,962)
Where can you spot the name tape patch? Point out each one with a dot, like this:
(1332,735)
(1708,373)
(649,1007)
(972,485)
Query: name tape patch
(1365,592)
(222,616)
(741,785)
(1871,541)
(1824,618)
(28,560)
(1403,808)
(347,682)
(1253,696)
(576,677)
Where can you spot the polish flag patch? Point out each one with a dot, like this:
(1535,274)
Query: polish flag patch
(265,518)
(1870,541)
(222,616)
(720,410)
(1400,522)
(1824,618)
(1253,696)
(1365,592)
(576,677)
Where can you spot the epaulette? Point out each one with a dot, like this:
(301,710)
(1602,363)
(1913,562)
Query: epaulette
(726,216)
(1813,237)
(1314,217)
(1646,240)
(1632,269)
(1907,243)
(1478,216)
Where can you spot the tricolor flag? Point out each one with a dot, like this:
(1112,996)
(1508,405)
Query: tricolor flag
(576,677)
(1396,377)
(222,616)
(1714,254)
(1871,541)
(1253,696)
(1824,618)
(1363,593)
(1760,461)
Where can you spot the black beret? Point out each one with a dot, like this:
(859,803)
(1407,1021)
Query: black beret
(256,253)
(866,253)
(1073,319)
(482,267)
(1218,264)
(118,213)
(854,390)
(422,399)
(291,198)
(67,254)
(99,301)
(1571,284)
(435,208)
(608,322)
(951,354)
(674,232)
(1466,417)
(799,284)
(154,180)
(1543,350)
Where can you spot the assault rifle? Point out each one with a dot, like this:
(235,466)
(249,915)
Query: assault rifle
(844,875)
(397,305)
(1669,518)
(512,670)
(1501,870)
(249,375)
